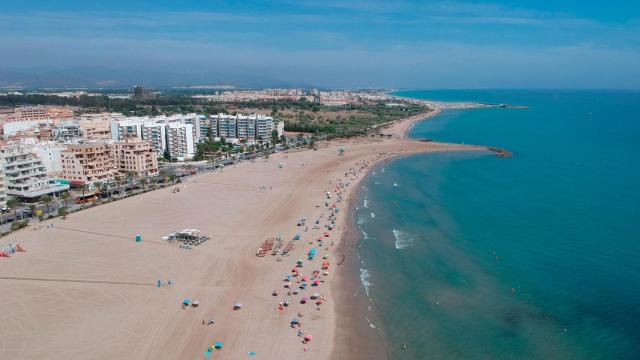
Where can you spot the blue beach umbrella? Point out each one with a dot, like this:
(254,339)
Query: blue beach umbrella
(218,345)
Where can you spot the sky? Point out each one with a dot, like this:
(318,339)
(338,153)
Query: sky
(322,43)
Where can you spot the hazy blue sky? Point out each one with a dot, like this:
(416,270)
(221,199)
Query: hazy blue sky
(425,44)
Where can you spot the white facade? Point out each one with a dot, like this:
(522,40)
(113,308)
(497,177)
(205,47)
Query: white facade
(11,128)
(155,133)
(25,174)
(180,144)
(3,188)
(49,153)
(124,129)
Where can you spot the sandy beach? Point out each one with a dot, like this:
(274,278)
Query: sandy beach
(84,289)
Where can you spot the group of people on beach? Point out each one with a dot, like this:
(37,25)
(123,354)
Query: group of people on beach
(296,282)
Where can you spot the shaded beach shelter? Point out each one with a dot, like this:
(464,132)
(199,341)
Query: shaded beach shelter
(305,278)
(299,262)
(312,251)
(316,282)
(295,321)
(297,237)
(315,296)
(186,302)
(237,306)
(218,345)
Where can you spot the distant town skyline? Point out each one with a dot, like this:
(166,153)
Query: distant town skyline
(351,43)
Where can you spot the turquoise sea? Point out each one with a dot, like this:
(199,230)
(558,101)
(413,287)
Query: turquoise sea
(471,256)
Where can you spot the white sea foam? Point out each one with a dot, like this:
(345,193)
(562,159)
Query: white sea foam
(403,239)
(361,219)
(364,279)
(370,323)
(366,203)
(382,169)
(395,184)
(372,215)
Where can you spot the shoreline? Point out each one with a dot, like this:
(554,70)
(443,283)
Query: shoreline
(108,317)
(356,340)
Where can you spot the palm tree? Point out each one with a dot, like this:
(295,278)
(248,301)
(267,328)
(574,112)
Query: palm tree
(118,180)
(130,176)
(46,199)
(65,197)
(14,204)
(143,182)
(32,207)
(97,186)
(84,188)
(105,188)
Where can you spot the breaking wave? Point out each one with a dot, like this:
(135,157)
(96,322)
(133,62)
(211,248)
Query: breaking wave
(403,239)
(364,279)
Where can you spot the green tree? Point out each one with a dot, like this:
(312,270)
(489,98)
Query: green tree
(83,188)
(14,204)
(143,182)
(274,137)
(130,176)
(46,199)
(65,197)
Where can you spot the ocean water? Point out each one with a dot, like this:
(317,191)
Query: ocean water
(471,256)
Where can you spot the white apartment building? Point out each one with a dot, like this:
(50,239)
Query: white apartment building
(49,153)
(121,130)
(246,126)
(25,175)
(264,127)
(180,144)
(226,126)
(3,188)
(155,133)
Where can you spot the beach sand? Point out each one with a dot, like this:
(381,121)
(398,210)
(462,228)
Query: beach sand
(84,289)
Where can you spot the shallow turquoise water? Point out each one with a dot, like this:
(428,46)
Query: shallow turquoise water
(471,256)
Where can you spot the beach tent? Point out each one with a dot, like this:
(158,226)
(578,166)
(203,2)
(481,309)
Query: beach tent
(297,237)
(307,338)
(295,321)
(186,302)
(315,296)
(312,251)
(237,306)
(218,345)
